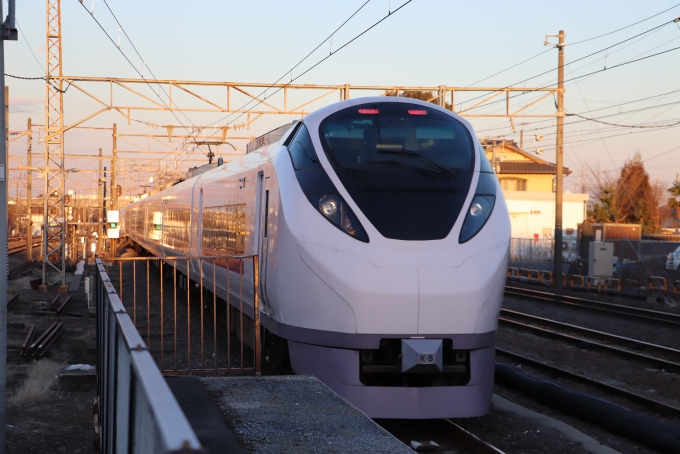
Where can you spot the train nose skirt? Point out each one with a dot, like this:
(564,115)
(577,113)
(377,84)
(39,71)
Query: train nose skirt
(422,355)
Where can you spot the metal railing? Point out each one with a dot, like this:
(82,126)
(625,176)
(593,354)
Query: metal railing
(136,411)
(208,323)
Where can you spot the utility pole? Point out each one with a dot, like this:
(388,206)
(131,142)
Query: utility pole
(29,193)
(114,187)
(104,200)
(557,259)
(9,32)
(100,218)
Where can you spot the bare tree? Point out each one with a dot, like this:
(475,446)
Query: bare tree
(601,186)
(422,95)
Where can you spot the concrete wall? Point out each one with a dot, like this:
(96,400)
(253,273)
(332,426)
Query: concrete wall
(533,213)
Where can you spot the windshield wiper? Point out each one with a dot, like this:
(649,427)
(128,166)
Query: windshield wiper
(407,153)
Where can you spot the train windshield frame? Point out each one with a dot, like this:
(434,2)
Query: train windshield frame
(408,167)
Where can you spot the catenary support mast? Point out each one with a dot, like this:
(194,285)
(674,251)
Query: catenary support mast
(54,215)
(557,259)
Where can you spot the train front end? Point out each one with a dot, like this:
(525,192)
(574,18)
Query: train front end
(392,252)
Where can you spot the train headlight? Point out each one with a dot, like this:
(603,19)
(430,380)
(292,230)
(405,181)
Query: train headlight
(477,207)
(318,187)
(336,210)
(480,208)
(328,205)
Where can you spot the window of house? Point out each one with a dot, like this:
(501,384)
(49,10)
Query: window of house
(514,184)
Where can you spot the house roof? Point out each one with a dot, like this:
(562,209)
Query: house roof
(527,167)
(534,166)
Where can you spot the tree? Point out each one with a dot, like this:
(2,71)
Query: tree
(604,207)
(422,95)
(674,199)
(634,195)
(602,187)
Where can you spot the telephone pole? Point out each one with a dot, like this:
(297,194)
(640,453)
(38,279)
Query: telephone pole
(557,259)
(9,32)
(29,193)
(100,192)
(114,185)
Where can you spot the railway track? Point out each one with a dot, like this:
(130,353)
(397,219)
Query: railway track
(650,316)
(475,443)
(19,245)
(437,435)
(652,404)
(668,358)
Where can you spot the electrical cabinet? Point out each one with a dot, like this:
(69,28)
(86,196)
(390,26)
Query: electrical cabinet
(601,259)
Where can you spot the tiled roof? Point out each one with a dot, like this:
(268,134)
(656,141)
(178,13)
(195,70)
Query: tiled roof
(528,167)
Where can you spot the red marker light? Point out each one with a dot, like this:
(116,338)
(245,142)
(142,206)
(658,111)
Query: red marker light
(417,112)
(368,111)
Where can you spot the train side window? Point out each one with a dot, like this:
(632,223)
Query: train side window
(302,151)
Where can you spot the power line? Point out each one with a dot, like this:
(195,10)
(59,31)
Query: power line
(309,69)
(576,77)
(29,47)
(625,126)
(601,108)
(390,14)
(134,67)
(623,28)
(578,59)
(573,44)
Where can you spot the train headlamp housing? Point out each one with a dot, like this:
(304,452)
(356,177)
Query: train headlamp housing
(480,208)
(318,187)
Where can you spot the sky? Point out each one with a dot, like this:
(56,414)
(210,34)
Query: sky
(417,43)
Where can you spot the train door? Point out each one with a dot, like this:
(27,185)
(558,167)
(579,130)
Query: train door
(263,226)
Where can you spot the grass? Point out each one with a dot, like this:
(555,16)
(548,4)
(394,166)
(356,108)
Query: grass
(41,376)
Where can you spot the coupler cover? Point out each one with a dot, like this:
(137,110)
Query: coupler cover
(421,355)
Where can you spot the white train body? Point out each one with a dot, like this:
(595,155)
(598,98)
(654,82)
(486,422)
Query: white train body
(398,317)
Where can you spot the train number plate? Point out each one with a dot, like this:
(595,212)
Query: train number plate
(426,358)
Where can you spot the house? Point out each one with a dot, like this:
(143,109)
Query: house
(528,186)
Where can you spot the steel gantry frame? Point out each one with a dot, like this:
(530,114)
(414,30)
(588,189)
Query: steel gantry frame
(168,92)
(54,220)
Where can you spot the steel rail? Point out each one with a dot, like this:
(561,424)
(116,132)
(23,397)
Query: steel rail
(477,445)
(655,404)
(656,317)
(651,360)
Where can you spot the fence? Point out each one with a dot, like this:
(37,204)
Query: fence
(207,324)
(637,261)
(529,250)
(137,412)
(633,265)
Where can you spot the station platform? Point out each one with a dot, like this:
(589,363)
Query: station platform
(277,414)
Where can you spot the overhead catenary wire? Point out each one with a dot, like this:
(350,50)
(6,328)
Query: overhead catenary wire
(285,74)
(601,108)
(572,62)
(133,65)
(573,44)
(579,77)
(623,28)
(390,14)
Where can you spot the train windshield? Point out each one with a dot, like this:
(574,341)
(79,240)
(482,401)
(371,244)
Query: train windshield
(407,167)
